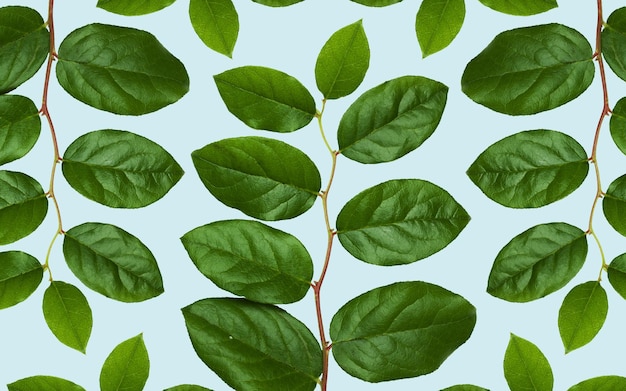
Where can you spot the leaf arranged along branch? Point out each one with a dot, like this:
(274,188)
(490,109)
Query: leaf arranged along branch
(44,383)
(20,275)
(126,367)
(437,23)
(23,206)
(20,126)
(277,3)
(216,23)
(614,42)
(614,204)
(582,314)
(376,3)
(465,387)
(617,274)
(617,125)
(133,7)
(601,383)
(187,387)
(520,7)
(525,366)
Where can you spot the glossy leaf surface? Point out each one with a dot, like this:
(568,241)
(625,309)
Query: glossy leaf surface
(216,23)
(68,314)
(23,206)
(133,7)
(530,169)
(277,3)
(251,259)
(525,366)
(382,225)
(112,262)
(267,99)
(392,119)
(253,346)
(20,275)
(614,204)
(601,383)
(127,367)
(465,387)
(437,23)
(582,314)
(617,274)
(530,69)
(20,126)
(264,178)
(187,387)
(537,262)
(614,42)
(120,69)
(376,3)
(44,383)
(617,125)
(520,7)
(120,169)
(402,330)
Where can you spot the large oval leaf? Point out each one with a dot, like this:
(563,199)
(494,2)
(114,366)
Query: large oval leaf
(277,3)
(20,275)
(216,23)
(127,366)
(582,314)
(24,45)
(112,262)
(537,262)
(402,330)
(525,366)
(187,387)
(20,126)
(465,387)
(133,7)
(267,99)
(617,125)
(530,169)
(68,314)
(44,383)
(437,23)
(253,346)
(23,206)
(376,3)
(264,178)
(520,7)
(251,259)
(530,69)
(400,221)
(120,169)
(601,383)
(617,274)
(614,204)
(120,69)
(614,42)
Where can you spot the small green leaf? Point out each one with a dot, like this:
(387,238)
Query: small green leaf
(120,69)
(617,274)
(68,314)
(465,387)
(19,127)
(20,275)
(376,3)
(112,262)
(437,23)
(530,69)
(614,42)
(537,262)
(127,367)
(23,206)
(343,61)
(601,383)
(582,314)
(402,330)
(44,383)
(251,259)
(133,7)
(277,3)
(392,119)
(253,346)
(614,204)
(187,387)
(24,45)
(267,99)
(520,7)
(617,125)
(530,169)
(120,169)
(217,24)
(382,224)
(262,177)
(525,366)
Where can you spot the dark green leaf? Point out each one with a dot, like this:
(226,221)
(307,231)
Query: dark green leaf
(68,314)
(264,178)
(217,24)
(120,169)
(617,274)
(24,45)
(376,3)
(383,224)
(20,275)
(530,169)
(267,99)
(120,69)
(530,69)
(398,331)
(127,367)
(133,7)
(187,387)
(520,7)
(614,42)
(392,119)
(602,383)
(537,262)
(582,314)
(465,387)
(437,23)
(614,204)
(253,346)
(525,366)
(19,127)
(112,262)
(23,206)
(277,3)
(343,61)
(251,259)
(618,125)
(44,383)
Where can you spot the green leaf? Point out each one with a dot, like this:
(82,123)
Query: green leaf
(520,7)
(392,119)
(44,383)
(120,169)
(582,314)
(530,169)
(614,204)
(68,314)
(112,262)
(617,274)
(530,69)
(437,23)
(267,99)
(537,262)
(402,330)
(127,367)
(251,259)
(376,3)
(277,3)
(20,275)
(23,206)
(133,7)
(617,125)
(253,346)
(24,45)
(217,24)
(614,42)
(19,127)
(343,61)
(382,224)
(525,366)
(465,387)
(120,69)
(262,177)
(601,383)
(187,387)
